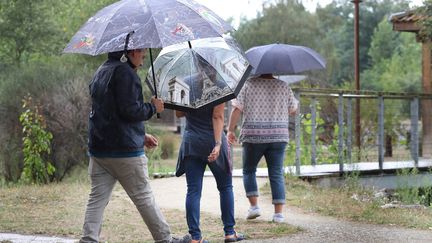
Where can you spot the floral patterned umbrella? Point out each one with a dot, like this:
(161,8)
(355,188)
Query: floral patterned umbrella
(149,23)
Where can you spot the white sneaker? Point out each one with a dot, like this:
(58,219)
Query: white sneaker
(278,218)
(253,213)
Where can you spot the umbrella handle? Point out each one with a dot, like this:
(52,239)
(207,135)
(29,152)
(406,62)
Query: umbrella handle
(124,56)
(154,78)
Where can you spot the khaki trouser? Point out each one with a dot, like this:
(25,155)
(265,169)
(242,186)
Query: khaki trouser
(132,174)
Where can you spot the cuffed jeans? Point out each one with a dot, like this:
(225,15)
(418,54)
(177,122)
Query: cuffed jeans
(133,176)
(274,154)
(195,168)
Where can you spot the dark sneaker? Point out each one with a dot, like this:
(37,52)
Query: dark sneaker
(237,237)
(188,238)
(176,240)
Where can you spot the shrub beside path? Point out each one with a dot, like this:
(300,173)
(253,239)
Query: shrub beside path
(170,193)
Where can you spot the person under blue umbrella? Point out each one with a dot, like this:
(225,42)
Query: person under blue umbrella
(266,103)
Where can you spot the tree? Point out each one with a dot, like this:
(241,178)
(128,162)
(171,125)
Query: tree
(425,23)
(395,61)
(371,13)
(285,21)
(26,28)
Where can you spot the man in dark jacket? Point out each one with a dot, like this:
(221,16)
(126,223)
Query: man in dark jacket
(116,144)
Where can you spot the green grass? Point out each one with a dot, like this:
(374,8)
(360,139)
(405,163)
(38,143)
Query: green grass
(338,202)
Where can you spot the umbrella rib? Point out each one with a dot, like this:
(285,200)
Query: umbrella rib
(171,65)
(314,53)
(100,39)
(154,23)
(211,26)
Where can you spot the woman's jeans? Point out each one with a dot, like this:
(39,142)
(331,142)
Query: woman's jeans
(195,167)
(274,155)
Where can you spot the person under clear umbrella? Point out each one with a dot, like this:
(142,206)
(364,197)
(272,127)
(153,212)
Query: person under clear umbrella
(204,143)
(266,103)
(116,144)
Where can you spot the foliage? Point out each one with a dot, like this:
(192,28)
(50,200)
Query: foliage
(326,144)
(396,59)
(299,25)
(425,23)
(409,194)
(27,27)
(36,145)
(337,20)
(169,145)
(66,113)
(62,88)
(34,33)
(359,204)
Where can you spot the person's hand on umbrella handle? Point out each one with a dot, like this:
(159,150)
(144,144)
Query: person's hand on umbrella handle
(158,102)
(150,141)
(231,137)
(214,154)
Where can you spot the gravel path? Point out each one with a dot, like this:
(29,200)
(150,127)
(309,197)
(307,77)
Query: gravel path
(316,228)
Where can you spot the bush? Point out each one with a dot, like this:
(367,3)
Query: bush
(36,145)
(60,86)
(169,145)
(67,117)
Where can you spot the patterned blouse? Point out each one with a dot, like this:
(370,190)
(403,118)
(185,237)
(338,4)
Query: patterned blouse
(265,104)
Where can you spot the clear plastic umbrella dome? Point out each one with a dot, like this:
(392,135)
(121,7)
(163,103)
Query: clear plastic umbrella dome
(202,72)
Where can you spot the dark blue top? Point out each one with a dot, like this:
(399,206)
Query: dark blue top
(116,127)
(198,140)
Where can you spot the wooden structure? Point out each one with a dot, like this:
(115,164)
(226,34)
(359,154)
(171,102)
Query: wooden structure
(409,22)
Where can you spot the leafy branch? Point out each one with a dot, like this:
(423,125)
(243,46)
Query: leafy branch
(36,145)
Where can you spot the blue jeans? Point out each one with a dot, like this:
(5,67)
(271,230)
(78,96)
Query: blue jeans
(274,155)
(195,167)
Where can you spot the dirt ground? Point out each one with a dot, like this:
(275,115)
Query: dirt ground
(316,228)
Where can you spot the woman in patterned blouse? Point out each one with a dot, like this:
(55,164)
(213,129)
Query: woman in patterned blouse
(266,103)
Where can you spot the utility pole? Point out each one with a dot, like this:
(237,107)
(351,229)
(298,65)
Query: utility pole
(357,73)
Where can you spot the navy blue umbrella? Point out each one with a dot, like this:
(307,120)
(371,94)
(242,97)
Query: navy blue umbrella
(283,59)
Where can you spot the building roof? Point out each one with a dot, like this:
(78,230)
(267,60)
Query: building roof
(405,21)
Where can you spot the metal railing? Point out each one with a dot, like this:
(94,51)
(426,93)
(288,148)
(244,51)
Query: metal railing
(389,127)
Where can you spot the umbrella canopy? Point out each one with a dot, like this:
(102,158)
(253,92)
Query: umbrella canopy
(283,59)
(203,72)
(291,79)
(154,24)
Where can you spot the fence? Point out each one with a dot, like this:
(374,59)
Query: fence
(389,127)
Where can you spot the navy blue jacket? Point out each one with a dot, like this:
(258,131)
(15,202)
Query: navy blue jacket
(118,110)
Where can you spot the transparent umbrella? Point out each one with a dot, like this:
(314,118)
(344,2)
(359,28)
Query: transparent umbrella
(198,73)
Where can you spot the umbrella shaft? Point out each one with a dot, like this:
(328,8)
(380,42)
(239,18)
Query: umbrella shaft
(153,74)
